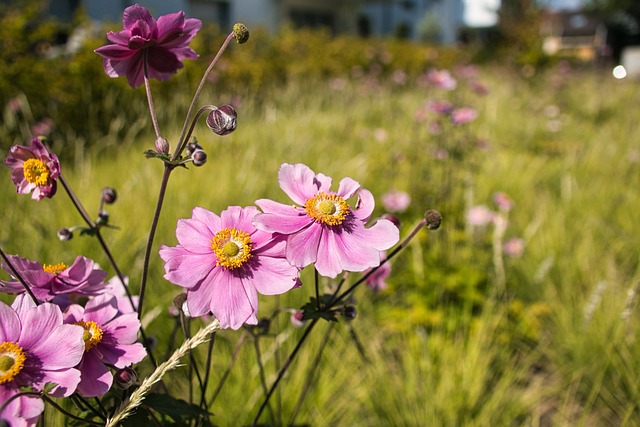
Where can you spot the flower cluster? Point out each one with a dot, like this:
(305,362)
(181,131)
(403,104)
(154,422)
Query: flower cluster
(225,261)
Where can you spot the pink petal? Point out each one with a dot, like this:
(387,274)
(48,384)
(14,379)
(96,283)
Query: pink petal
(230,303)
(210,219)
(67,337)
(123,329)
(67,380)
(10,325)
(96,377)
(382,235)
(328,259)
(123,355)
(184,268)
(284,224)
(364,205)
(348,188)
(302,247)
(199,298)
(194,235)
(297,181)
(134,13)
(275,276)
(240,218)
(101,309)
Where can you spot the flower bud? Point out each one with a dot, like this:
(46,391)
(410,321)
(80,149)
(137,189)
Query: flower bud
(65,234)
(162,145)
(223,120)
(199,157)
(434,219)
(109,195)
(103,217)
(394,219)
(296,318)
(191,148)
(125,378)
(350,312)
(240,32)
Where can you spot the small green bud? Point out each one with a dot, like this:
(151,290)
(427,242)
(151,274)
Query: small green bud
(240,32)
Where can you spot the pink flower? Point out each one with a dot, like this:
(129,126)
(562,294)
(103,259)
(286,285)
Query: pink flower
(513,247)
(439,107)
(324,229)
(34,168)
(376,281)
(463,115)
(396,201)
(114,287)
(109,340)
(480,215)
(57,283)
(442,79)
(224,262)
(503,201)
(162,44)
(36,348)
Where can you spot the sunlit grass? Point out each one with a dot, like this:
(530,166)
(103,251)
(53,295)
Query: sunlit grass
(557,350)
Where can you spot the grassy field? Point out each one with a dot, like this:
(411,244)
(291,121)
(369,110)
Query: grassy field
(463,335)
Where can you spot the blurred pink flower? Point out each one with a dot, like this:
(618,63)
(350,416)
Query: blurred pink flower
(442,79)
(503,201)
(162,44)
(296,318)
(513,247)
(109,340)
(55,282)
(463,115)
(34,168)
(323,228)
(36,348)
(439,107)
(376,281)
(224,262)
(396,201)
(43,127)
(480,215)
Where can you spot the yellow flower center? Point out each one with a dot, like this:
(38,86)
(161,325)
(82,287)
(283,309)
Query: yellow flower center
(36,172)
(232,246)
(54,268)
(12,359)
(329,209)
(92,334)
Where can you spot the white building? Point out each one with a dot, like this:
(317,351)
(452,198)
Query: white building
(435,20)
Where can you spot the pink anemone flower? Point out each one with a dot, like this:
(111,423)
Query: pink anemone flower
(160,45)
(36,349)
(224,262)
(109,340)
(58,283)
(34,169)
(324,229)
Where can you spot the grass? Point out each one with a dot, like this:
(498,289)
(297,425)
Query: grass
(440,346)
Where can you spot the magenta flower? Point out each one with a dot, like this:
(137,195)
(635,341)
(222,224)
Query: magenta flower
(36,348)
(396,201)
(324,229)
(57,283)
(442,79)
(163,44)
(109,340)
(224,262)
(463,115)
(34,168)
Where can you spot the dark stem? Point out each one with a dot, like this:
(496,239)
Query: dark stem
(152,232)
(284,368)
(82,402)
(183,143)
(207,372)
(147,87)
(310,375)
(263,379)
(17,275)
(67,413)
(316,277)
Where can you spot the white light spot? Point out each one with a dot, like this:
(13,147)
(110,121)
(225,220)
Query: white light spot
(619,72)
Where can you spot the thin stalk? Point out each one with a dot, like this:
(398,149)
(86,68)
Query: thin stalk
(263,379)
(67,413)
(81,401)
(283,370)
(225,375)
(207,372)
(182,139)
(310,375)
(152,233)
(17,275)
(147,87)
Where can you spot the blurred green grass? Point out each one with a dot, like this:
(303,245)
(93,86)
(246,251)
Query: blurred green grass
(556,352)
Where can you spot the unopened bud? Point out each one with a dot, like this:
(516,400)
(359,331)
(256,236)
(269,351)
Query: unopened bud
(191,148)
(223,120)
(199,157)
(162,145)
(109,195)
(65,234)
(434,219)
(296,318)
(125,378)
(350,312)
(240,32)
(103,217)
(394,219)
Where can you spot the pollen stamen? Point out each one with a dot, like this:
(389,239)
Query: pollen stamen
(232,246)
(92,334)
(12,359)
(54,269)
(36,172)
(329,209)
